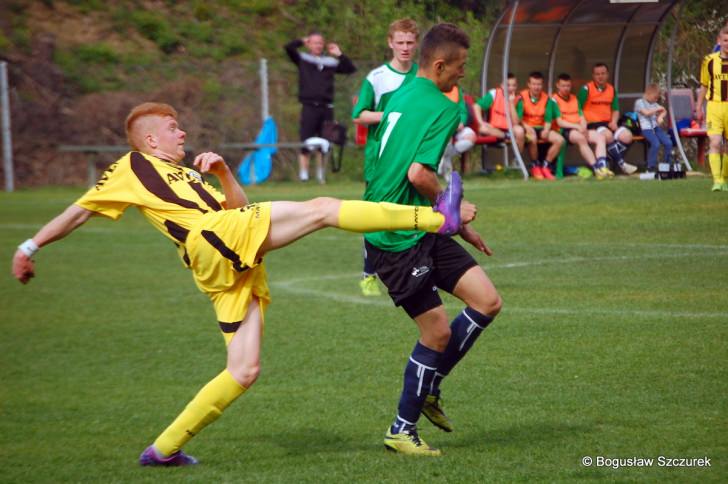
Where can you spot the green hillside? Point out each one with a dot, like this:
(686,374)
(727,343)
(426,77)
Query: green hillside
(76,67)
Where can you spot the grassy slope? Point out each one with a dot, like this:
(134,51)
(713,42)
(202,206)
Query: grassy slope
(612,342)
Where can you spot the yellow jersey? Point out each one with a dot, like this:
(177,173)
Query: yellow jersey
(714,76)
(172,197)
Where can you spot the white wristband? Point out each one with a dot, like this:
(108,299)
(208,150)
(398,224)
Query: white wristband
(29,248)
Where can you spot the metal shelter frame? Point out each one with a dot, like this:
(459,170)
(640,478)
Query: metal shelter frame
(531,25)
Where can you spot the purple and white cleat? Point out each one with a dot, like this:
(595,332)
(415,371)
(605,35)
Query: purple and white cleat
(448,204)
(150,458)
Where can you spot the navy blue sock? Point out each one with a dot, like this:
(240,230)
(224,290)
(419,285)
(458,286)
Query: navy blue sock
(614,151)
(466,328)
(418,375)
(621,147)
(369,269)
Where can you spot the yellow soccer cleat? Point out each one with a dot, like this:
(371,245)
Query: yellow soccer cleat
(432,409)
(369,286)
(409,443)
(603,173)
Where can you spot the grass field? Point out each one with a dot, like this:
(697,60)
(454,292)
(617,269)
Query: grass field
(613,342)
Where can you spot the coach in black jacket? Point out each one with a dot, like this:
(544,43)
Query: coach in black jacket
(316,89)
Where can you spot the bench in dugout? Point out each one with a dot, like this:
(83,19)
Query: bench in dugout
(486,142)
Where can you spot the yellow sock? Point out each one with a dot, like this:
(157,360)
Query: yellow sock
(724,159)
(714,159)
(204,409)
(359,216)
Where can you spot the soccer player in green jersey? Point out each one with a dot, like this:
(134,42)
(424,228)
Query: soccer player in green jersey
(416,126)
(376,90)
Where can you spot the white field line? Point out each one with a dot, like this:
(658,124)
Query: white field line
(300,286)
(384,301)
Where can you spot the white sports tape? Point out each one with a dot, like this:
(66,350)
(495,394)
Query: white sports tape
(29,247)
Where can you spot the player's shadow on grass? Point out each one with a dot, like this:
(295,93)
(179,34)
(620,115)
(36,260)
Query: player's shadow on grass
(535,433)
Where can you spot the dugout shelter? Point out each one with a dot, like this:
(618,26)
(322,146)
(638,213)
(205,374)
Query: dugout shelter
(554,36)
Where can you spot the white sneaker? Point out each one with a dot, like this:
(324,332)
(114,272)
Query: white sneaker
(648,175)
(303,175)
(628,168)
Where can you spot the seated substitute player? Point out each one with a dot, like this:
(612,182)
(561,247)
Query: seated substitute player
(537,111)
(379,85)
(417,125)
(494,103)
(714,89)
(599,102)
(222,240)
(571,121)
(464,138)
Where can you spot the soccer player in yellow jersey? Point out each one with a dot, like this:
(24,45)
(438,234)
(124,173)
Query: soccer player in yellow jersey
(714,89)
(223,240)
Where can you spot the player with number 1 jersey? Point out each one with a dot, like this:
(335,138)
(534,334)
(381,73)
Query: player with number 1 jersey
(408,135)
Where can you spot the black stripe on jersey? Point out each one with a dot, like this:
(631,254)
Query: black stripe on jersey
(178,232)
(206,196)
(229,327)
(711,85)
(724,83)
(185,256)
(226,251)
(152,181)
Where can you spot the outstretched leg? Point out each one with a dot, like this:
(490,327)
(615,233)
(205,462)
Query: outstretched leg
(292,220)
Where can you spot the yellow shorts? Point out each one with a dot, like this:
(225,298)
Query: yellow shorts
(223,250)
(716,115)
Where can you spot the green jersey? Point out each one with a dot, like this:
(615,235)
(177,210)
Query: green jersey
(416,126)
(376,90)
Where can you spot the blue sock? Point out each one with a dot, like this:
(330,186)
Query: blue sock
(369,269)
(615,152)
(466,328)
(418,375)
(601,162)
(621,146)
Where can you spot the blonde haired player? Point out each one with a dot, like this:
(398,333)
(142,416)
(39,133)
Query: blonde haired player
(222,239)
(714,89)
(377,89)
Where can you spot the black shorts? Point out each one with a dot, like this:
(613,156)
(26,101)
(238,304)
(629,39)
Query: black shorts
(312,120)
(414,275)
(566,132)
(598,125)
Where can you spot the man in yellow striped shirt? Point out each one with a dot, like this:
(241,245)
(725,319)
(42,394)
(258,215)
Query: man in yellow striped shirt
(223,240)
(714,89)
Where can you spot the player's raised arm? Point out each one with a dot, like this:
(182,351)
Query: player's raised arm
(213,163)
(71,218)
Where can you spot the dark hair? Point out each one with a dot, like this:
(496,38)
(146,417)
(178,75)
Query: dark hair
(564,77)
(442,40)
(600,64)
(315,32)
(535,75)
(511,75)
